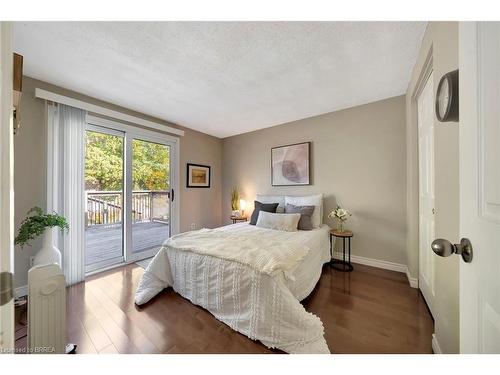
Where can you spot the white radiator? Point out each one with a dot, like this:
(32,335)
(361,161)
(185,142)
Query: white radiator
(46,310)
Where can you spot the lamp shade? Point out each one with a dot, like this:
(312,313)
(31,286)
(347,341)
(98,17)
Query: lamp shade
(243,204)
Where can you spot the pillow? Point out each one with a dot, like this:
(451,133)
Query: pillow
(273,199)
(286,222)
(266,207)
(305,212)
(309,200)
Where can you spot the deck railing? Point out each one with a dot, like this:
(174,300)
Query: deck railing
(105,207)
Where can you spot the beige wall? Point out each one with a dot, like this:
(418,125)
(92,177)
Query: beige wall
(358,160)
(199,206)
(441,41)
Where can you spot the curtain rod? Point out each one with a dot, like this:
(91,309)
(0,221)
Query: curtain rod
(47,95)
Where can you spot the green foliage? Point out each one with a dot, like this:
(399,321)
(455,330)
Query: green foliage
(104,163)
(235,199)
(150,166)
(34,225)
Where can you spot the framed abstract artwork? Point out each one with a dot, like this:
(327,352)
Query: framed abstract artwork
(290,165)
(198,176)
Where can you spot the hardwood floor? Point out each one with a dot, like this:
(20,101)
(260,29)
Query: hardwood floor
(366,311)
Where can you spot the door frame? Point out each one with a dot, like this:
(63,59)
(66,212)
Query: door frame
(427,77)
(135,132)
(413,194)
(6,185)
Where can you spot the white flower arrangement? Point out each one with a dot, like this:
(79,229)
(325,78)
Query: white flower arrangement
(341,214)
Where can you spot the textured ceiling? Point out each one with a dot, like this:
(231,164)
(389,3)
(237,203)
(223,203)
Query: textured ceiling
(224,78)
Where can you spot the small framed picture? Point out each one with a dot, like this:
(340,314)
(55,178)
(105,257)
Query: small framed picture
(290,164)
(198,176)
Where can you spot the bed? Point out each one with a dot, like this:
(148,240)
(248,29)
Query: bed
(248,277)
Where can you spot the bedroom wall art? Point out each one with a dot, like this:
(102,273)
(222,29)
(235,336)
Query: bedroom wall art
(198,176)
(290,164)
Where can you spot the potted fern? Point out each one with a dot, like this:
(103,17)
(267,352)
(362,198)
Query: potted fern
(36,224)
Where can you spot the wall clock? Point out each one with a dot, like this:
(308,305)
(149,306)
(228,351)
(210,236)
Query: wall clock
(447,97)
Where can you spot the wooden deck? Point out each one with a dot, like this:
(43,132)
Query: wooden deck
(104,242)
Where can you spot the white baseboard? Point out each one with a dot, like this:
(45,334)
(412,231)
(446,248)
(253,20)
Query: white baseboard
(435,345)
(21,291)
(381,264)
(412,280)
(374,262)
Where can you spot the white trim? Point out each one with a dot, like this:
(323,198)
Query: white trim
(374,262)
(21,291)
(134,130)
(47,95)
(104,264)
(6,180)
(107,268)
(435,345)
(384,264)
(412,280)
(112,266)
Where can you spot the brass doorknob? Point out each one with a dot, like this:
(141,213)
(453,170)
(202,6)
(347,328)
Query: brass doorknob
(445,248)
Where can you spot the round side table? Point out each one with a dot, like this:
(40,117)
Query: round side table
(341,265)
(237,219)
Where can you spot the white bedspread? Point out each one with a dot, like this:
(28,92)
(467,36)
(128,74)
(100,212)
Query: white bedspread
(252,297)
(264,251)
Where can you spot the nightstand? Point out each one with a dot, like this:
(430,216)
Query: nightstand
(237,219)
(341,265)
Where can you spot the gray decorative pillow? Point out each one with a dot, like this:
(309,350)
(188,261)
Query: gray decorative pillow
(258,206)
(305,222)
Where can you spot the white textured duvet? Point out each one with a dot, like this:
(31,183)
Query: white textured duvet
(249,278)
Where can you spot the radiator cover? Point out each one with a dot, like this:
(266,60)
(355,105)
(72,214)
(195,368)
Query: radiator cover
(46,310)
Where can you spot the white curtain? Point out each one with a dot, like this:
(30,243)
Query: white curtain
(66,185)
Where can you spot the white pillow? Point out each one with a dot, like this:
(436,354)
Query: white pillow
(285,222)
(309,200)
(272,199)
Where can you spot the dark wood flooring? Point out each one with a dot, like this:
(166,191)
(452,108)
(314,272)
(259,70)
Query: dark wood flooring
(366,311)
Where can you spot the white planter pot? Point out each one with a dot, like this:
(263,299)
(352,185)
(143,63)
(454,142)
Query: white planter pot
(48,254)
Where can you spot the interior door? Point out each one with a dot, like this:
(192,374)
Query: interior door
(425,121)
(479,59)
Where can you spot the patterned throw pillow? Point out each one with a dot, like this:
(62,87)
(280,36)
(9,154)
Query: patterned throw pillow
(285,222)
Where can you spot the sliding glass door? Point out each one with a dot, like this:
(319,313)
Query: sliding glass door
(150,195)
(130,180)
(104,196)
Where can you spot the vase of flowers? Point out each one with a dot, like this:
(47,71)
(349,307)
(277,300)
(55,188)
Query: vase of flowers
(341,214)
(36,225)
